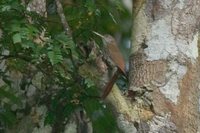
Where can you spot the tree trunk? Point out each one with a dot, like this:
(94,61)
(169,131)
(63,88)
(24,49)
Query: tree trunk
(164,65)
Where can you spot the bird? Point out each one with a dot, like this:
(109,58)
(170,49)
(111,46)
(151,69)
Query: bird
(114,54)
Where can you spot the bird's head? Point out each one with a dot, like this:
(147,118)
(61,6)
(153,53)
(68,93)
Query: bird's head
(107,39)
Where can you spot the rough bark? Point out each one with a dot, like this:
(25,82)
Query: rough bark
(164,65)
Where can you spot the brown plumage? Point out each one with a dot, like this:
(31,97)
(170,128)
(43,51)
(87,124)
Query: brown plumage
(110,84)
(113,52)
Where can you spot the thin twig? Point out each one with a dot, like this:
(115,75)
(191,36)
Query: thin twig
(72,59)
(66,27)
(63,18)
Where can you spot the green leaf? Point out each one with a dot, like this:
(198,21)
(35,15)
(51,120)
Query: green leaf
(32,29)
(90,5)
(62,38)
(68,109)
(15,27)
(55,56)
(89,82)
(6,8)
(67,43)
(28,44)
(97,12)
(16,38)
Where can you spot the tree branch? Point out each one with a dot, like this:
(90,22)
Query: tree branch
(63,18)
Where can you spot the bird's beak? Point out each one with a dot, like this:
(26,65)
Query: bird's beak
(98,34)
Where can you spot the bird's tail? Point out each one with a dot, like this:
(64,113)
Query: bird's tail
(110,84)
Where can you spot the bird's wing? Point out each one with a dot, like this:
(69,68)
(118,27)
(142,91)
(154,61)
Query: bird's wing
(117,57)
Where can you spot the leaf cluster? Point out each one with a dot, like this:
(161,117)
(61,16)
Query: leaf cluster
(30,41)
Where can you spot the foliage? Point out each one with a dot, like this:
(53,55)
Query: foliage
(102,119)
(31,40)
(7,100)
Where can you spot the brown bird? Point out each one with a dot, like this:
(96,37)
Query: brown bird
(113,53)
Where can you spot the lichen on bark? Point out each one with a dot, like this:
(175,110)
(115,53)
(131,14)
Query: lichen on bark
(169,31)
